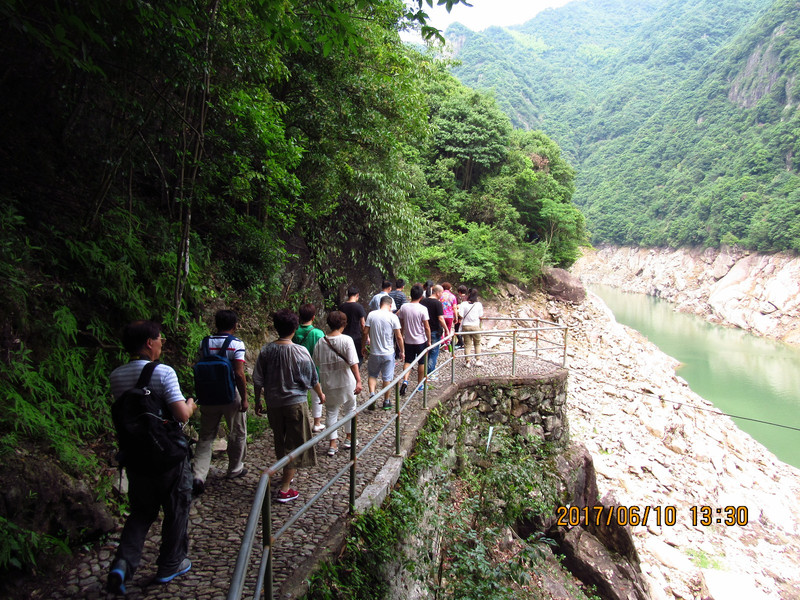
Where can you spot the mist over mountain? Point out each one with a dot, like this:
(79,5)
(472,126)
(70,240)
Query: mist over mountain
(680,116)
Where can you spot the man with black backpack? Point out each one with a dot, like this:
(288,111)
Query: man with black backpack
(149,413)
(221,392)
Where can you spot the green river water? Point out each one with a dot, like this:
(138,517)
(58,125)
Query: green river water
(741,374)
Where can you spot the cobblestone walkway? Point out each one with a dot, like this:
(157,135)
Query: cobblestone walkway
(218,517)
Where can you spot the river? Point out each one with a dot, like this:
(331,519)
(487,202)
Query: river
(741,374)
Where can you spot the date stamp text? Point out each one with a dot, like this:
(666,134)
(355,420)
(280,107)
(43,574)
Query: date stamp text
(667,515)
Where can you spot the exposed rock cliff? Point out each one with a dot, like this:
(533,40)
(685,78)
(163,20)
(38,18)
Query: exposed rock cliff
(756,292)
(760,73)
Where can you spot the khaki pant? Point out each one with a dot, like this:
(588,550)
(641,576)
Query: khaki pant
(291,430)
(472,342)
(210,417)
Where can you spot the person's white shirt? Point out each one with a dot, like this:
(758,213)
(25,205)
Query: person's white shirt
(470,313)
(375,303)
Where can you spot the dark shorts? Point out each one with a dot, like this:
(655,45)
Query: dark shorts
(357,341)
(413,351)
(291,430)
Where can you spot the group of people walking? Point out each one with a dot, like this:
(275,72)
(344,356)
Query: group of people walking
(302,368)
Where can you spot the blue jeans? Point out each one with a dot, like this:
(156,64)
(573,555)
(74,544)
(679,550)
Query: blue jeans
(433,355)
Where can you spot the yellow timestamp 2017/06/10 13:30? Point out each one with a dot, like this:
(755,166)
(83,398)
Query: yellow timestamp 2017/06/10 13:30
(667,515)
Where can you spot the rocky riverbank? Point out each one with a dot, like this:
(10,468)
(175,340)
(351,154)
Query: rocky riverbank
(657,444)
(756,292)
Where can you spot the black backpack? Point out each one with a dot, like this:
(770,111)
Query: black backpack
(150,439)
(214,382)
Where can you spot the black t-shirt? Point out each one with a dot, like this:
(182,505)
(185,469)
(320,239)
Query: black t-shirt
(435,310)
(355,312)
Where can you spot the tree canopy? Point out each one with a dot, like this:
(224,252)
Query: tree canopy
(498,200)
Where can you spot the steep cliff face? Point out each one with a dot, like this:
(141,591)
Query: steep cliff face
(760,74)
(756,292)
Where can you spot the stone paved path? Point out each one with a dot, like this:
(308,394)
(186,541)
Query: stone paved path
(218,517)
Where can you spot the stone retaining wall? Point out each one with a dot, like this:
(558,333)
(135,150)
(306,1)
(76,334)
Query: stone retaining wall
(532,405)
(537,404)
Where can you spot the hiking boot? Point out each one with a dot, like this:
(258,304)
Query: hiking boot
(166,577)
(116,578)
(403,388)
(287,496)
(198,487)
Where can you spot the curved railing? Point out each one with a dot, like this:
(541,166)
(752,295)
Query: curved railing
(541,340)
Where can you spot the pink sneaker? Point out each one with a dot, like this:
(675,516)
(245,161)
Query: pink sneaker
(287,496)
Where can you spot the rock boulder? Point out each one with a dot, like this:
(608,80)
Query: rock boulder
(564,286)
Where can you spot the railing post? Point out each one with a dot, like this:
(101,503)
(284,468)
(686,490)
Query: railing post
(513,353)
(266,518)
(397,421)
(453,359)
(425,383)
(353,441)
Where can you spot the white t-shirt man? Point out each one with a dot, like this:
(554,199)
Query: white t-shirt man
(413,316)
(382,325)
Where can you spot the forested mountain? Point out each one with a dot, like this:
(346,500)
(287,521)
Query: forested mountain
(547,73)
(681,116)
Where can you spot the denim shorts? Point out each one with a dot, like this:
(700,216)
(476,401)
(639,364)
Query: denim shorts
(381,366)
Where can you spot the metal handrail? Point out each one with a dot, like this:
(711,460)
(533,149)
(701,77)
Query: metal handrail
(264,509)
(552,326)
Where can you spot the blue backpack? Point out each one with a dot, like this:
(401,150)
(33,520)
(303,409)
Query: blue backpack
(214,381)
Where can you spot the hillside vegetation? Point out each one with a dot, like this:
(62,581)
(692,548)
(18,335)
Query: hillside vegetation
(162,160)
(680,116)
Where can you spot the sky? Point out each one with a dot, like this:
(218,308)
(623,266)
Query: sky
(485,13)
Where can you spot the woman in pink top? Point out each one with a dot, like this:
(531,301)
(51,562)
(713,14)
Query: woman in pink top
(449,305)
